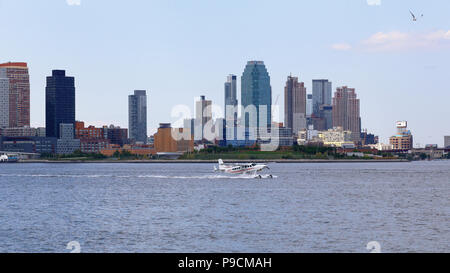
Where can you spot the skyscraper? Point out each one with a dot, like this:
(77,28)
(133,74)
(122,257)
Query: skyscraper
(59,102)
(137,116)
(231,105)
(294,105)
(321,95)
(346,112)
(322,109)
(4,103)
(256,96)
(19,93)
(203,117)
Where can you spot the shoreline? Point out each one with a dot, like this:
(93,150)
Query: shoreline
(215,161)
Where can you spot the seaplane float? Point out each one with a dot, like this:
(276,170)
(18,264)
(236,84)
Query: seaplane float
(251,169)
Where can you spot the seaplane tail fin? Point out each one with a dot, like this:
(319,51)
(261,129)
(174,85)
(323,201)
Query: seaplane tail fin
(221,162)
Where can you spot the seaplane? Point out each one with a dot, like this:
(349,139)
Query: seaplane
(243,169)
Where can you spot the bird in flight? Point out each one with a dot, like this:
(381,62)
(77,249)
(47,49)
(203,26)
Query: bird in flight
(414,16)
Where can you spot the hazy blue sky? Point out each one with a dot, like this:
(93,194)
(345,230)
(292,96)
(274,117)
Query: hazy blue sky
(180,49)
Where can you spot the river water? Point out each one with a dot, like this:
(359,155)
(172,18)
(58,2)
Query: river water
(329,207)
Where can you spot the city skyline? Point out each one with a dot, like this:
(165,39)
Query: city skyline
(394,82)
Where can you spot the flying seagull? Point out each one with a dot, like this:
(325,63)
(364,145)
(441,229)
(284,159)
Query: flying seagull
(414,16)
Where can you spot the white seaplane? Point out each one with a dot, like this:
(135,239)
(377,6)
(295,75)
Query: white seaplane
(244,169)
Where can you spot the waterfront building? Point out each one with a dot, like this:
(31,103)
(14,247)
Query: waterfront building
(346,111)
(256,97)
(381,146)
(165,143)
(19,132)
(403,140)
(368,139)
(137,116)
(93,145)
(92,139)
(203,120)
(67,143)
(231,108)
(19,94)
(294,104)
(336,137)
(305,136)
(135,149)
(4,102)
(60,102)
(91,132)
(447,142)
(116,135)
(432,153)
(28,144)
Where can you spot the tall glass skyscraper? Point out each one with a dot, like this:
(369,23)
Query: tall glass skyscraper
(322,108)
(231,105)
(322,92)
(256,96)
(60,102)
(137,116)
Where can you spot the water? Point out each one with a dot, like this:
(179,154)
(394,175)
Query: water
(187,208)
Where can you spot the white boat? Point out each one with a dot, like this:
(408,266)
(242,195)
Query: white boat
(8,159)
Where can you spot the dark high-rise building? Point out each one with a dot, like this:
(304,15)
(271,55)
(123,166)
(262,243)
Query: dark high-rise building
(321,104)
(19,93)
(321,95)
(256,96)
(231,105)
(294,105)
(346,112)
(137,116)
(59,102)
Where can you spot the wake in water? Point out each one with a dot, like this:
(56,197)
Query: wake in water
(210,177)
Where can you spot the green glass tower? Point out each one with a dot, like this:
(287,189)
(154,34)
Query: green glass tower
(256,94)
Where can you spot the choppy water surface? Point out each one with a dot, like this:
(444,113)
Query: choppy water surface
(187,208)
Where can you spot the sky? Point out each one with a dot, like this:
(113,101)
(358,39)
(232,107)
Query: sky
(178,50)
